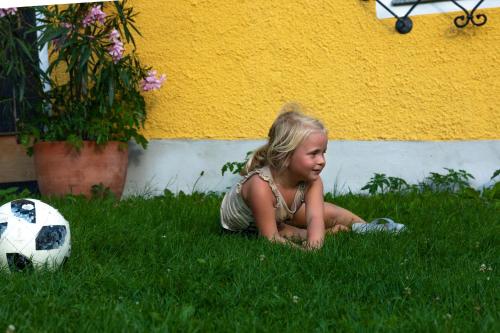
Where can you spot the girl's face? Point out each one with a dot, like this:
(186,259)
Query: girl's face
(308,159)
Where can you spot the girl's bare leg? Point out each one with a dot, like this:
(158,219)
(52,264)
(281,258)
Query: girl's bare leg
(291,232)
(336,218)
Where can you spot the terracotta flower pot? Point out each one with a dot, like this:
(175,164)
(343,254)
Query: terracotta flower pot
(61,169)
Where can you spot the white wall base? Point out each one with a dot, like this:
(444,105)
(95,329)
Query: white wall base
(177,164)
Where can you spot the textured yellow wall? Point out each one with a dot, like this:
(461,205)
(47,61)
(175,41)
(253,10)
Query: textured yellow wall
(231,64)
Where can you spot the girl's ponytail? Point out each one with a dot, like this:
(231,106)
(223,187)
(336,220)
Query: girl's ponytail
(256,160)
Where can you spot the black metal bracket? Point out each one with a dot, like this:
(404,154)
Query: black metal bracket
(470,16)
(404,24)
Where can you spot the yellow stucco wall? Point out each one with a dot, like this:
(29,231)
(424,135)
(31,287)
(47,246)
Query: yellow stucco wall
(231,64)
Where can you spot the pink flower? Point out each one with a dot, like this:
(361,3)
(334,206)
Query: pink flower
(116,48)
(151,82)
(114,35)
(116,51)
(8,11)
(94,15)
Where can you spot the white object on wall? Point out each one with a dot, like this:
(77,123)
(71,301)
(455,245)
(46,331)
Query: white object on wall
(430,8)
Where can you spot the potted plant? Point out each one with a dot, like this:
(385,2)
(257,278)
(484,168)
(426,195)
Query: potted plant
(94,106)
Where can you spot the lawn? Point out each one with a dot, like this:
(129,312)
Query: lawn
(160,264)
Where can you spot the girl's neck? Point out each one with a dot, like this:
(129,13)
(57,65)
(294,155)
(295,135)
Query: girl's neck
(284,180)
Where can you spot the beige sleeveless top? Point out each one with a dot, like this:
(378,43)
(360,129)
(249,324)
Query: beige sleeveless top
(235,215)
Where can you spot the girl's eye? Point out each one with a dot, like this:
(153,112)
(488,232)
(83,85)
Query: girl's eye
(317,153)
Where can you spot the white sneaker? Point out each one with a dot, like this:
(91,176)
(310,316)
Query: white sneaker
(388,225)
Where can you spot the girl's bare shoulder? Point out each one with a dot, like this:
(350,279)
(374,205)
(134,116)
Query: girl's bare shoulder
(256,187)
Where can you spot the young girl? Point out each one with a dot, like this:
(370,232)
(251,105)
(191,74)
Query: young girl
(281,194)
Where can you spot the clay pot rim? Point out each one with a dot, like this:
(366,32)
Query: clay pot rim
(86,143)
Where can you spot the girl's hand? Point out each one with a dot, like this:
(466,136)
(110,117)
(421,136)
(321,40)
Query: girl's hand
(336,229)
(308,246)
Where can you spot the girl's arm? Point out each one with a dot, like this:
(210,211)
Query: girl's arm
(314,214)
(260,199)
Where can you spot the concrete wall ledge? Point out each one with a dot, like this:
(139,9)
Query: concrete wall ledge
(177,164)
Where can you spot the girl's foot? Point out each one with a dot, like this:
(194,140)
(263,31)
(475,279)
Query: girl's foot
(336,229)
(380,224)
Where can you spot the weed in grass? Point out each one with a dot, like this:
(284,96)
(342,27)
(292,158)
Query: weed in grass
(236,167)
(380,183)
(12,193)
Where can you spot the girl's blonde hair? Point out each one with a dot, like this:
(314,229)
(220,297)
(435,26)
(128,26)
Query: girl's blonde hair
(287,132)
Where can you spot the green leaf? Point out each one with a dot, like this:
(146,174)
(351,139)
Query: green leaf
(224,169)
(85,57)
(111,92)
(50,33)
(469,192)
(496,192)
(7,191)
(26,50)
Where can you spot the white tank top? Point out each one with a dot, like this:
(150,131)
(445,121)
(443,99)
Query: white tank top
(235,215)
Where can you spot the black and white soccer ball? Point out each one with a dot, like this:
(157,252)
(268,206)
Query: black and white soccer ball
(33,235)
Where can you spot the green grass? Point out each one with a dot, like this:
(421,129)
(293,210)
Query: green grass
(160,264)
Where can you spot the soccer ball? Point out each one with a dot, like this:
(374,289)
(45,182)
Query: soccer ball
(33,235)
